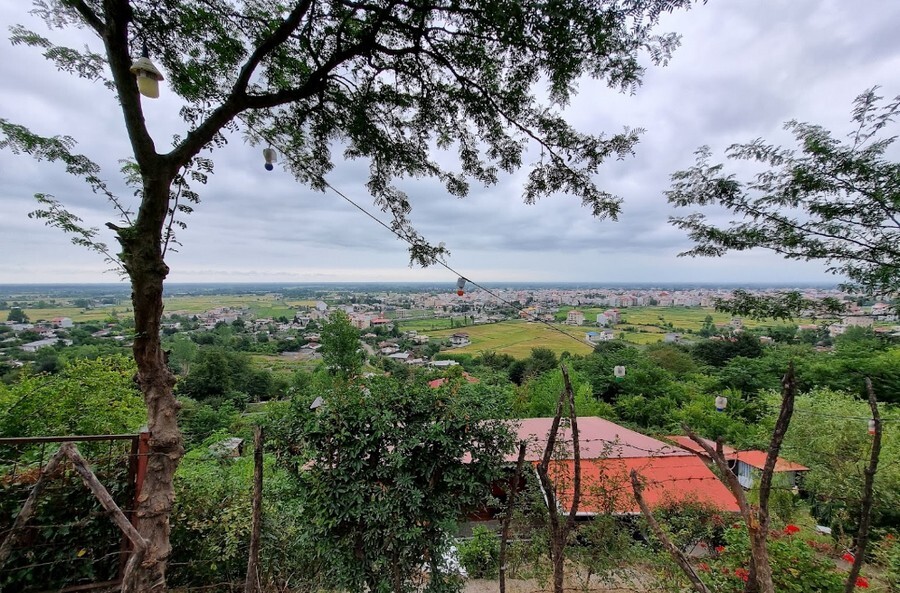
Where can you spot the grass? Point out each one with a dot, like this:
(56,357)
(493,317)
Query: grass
(517,338)
(73,313)
(428,325)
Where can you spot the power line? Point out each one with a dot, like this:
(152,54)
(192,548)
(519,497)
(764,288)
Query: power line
(411,243)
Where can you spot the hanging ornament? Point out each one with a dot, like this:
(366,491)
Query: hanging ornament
(619,372)
(461,286)
(271,156)
(872,426)
(721,403)
(147,75)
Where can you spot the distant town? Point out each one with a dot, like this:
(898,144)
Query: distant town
(405,323)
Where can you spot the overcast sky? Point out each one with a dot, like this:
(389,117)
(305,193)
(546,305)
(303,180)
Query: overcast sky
(744,68)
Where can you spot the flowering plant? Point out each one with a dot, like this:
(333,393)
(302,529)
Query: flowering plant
(796,566)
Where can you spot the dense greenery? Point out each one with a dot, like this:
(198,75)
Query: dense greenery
(371,487)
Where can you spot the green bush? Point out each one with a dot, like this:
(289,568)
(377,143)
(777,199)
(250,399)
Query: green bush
(481,555)
(796,566)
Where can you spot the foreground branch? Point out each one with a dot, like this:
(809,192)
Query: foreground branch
(660,534)
(865,512)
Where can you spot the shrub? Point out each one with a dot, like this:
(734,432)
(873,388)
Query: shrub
(480,555)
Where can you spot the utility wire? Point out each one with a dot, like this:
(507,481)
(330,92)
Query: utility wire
(407,240)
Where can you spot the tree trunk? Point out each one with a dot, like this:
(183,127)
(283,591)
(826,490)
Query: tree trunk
(142,257)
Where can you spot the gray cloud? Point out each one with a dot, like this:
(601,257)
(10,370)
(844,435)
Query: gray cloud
(743,69)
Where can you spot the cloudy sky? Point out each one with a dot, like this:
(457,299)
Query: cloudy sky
(744,68)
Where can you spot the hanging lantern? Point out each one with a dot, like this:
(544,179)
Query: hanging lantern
(872,426)
(460,286)
(271,156)
(619,372)
(147,75)
(721,403)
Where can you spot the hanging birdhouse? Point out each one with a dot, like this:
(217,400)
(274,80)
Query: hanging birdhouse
(619,372)
(872,426)
(271,156)
(721,403)
(148,76)
(461,286)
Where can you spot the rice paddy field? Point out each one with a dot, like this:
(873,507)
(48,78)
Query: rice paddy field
(517,338)
(638,325)
(259,305)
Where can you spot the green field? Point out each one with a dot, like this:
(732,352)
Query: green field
(259,305)
(517,338)
(73,313)
(429,325)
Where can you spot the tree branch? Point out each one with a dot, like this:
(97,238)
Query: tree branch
(660,534)
(89,16)
(115,38)
(278,36)
(865,512)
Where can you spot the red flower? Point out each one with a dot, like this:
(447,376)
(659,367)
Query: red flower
(744,574)
(791,529)
(720,549)
(862,582)
(848,557)
(703,566)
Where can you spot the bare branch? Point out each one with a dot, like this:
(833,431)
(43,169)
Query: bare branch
(660,534)
(865,511)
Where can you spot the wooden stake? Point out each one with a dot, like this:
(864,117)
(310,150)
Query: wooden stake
(252,583)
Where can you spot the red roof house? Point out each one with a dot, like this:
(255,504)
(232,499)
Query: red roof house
(608,454)
(747,465)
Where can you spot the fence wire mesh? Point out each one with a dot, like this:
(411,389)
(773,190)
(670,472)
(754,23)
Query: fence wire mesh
(70,543)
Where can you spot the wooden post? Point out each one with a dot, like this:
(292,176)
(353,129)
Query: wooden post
(99,491)
(510,505)
(252,584)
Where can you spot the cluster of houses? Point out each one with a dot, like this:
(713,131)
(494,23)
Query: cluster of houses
(51,333)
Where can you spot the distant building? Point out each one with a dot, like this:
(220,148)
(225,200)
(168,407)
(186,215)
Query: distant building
(672,338)
(37,345)
(574,317)
(460,339)
(602,320)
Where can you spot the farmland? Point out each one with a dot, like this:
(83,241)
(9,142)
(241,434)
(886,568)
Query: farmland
(259,306)
(517,338)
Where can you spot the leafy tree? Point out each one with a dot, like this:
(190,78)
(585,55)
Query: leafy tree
(386,478)
(826,200)
(384,80)
(718,352)
(17,315)
(86,397)
(340,346)
(829,435)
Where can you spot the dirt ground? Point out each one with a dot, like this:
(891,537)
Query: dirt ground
(636,583)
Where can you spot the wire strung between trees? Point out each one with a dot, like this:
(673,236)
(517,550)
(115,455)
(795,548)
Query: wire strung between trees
(411,243)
